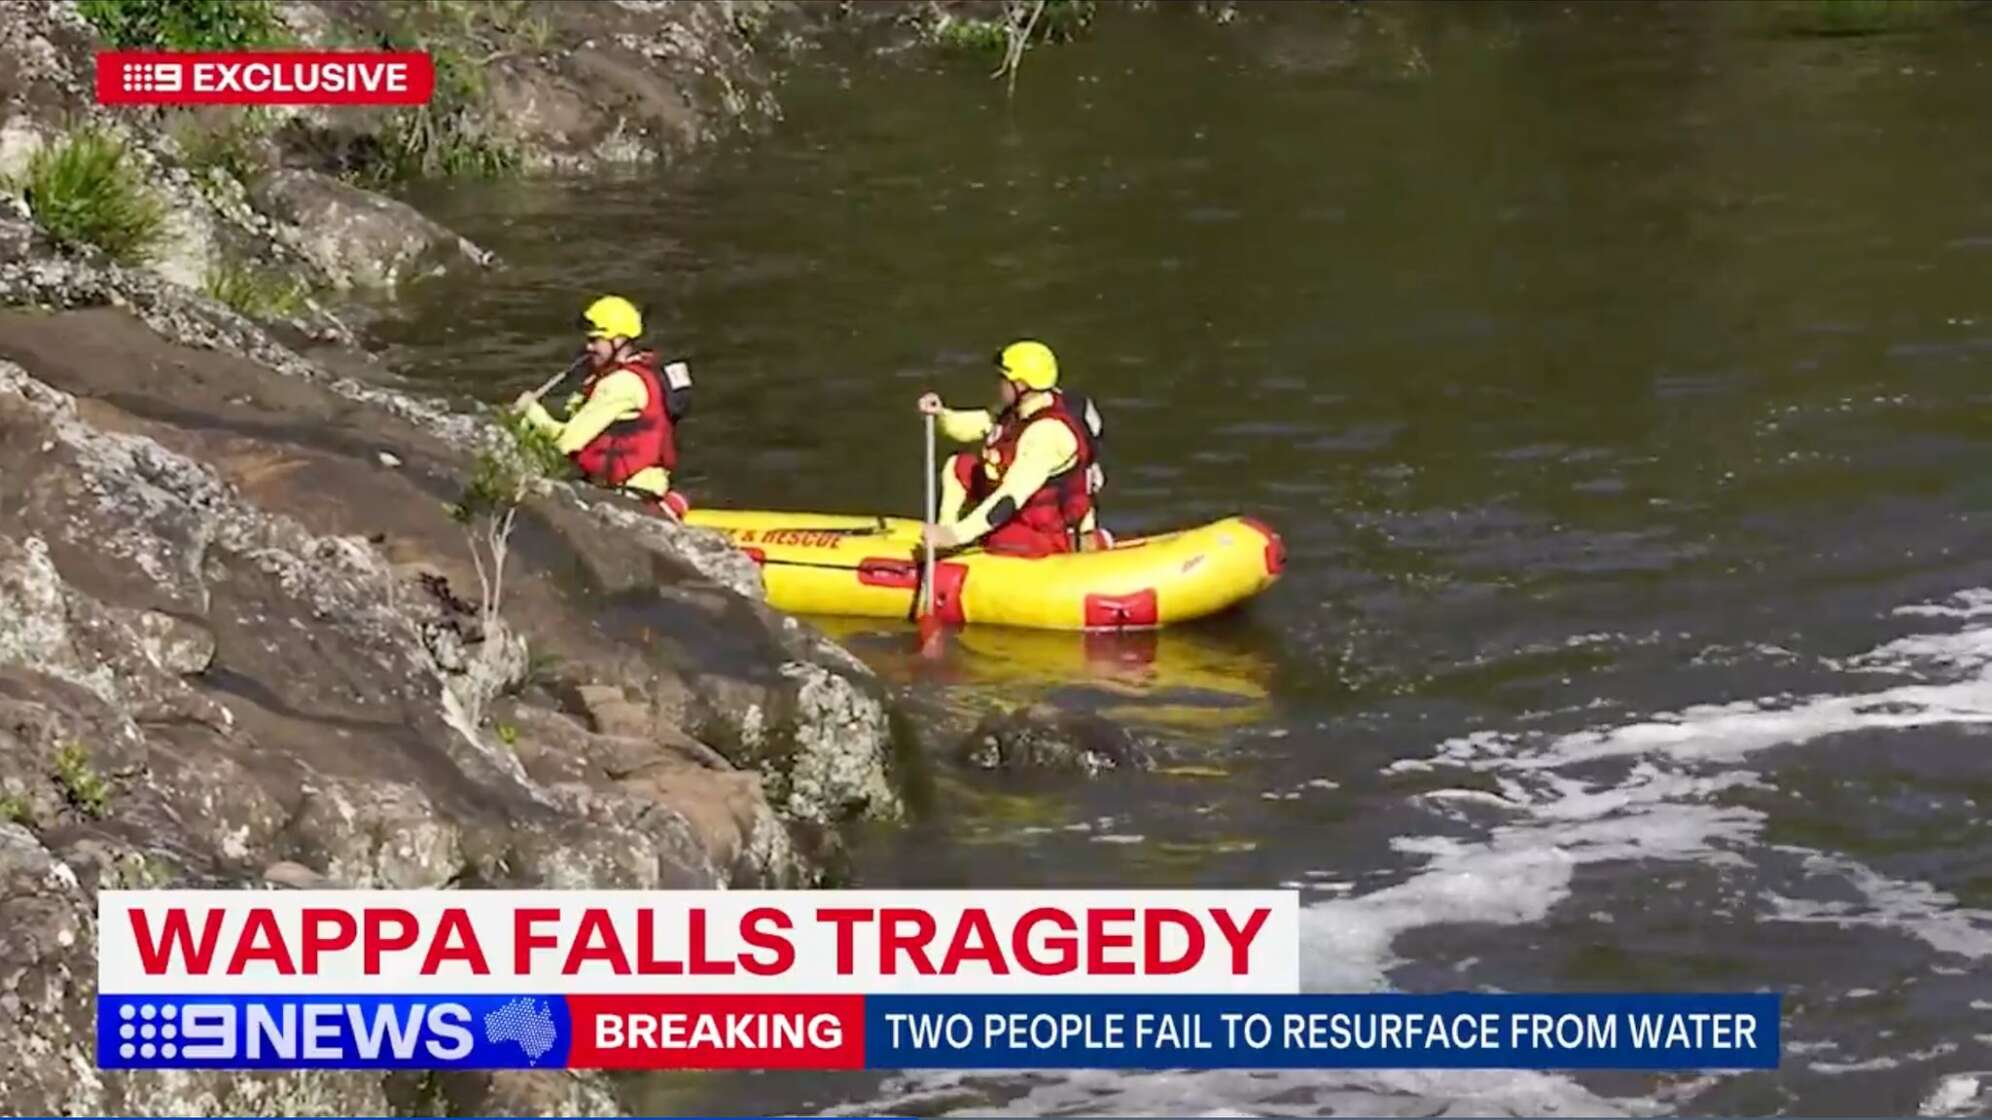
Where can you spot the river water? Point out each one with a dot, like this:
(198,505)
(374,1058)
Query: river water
(1617,377)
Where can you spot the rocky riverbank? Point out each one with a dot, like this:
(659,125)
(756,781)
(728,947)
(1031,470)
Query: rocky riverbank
(239,641)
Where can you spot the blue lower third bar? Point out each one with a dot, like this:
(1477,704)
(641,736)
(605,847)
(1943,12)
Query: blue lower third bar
(1459,1031)
(332,1031)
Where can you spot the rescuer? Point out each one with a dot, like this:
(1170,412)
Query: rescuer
(1033,487)
(621,428)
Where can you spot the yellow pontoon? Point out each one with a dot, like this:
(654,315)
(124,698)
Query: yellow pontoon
(870,567)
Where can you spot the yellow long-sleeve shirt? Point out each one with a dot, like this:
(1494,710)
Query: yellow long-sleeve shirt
(1043,450)
(621,395)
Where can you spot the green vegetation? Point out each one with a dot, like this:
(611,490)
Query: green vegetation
(234,147)
(972,36)
(255,291)
(186,25)
(448,136)
(519,25)
(500,480)
(84,190)
(15,808)
(508,734)
(84,788)
(1024,22)
(445,136)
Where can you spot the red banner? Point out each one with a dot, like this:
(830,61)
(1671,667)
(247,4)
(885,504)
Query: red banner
(717,1032)
(264,77)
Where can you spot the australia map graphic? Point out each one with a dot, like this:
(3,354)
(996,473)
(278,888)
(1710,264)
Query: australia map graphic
(525,1021)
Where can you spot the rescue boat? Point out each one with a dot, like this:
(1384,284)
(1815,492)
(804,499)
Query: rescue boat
(870,567)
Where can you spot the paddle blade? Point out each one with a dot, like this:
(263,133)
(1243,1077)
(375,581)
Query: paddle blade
(933,637)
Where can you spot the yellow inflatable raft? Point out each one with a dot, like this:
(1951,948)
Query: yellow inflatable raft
(871,567)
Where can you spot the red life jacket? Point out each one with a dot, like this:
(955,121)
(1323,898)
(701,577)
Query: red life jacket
(1059,507)
(628,446)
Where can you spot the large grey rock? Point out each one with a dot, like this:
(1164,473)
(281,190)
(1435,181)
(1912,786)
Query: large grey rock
(19,238)
(360,239)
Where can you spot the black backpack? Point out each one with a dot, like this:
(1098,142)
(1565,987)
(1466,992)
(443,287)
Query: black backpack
(1082,409)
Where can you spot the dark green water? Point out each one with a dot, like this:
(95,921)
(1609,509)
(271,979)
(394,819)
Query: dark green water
(1618,378)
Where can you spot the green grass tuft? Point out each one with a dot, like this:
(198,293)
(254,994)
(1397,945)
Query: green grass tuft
(80,782)
(520,27)
(255,291)
(186,25)
(84,190)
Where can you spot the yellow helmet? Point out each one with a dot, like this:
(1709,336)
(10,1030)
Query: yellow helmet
(611,316)
(1030,363)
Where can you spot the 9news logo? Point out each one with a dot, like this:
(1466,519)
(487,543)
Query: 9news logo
(151,77)
(138,1025)
(299,1032)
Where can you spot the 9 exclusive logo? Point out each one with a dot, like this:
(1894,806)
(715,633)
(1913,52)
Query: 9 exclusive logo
(264,77)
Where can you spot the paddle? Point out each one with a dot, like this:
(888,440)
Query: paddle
(933,640)
(572,368)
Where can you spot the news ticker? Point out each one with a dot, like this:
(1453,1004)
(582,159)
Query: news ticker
(823,980)
(1465,1031)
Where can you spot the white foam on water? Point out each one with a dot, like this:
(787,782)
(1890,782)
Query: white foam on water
(1521,871)
(1918,909)
(1959,1094)
(1965,604)
(1549,824)
(1885,1062)
(1869,1065)
(1541,826)
(1382,1093)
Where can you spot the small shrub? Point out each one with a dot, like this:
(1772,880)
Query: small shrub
(1024,22)
(508,734)
(500,480)
(522,30)
(255,291)
(14,808)
(234,147)
(973,36)
(84,190)
(444,137)
(84,788)
(449,137)
(186,25)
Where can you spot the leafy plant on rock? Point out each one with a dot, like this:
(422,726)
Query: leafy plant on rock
(84,189)
(186,25)
(501,478)
(83,787)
